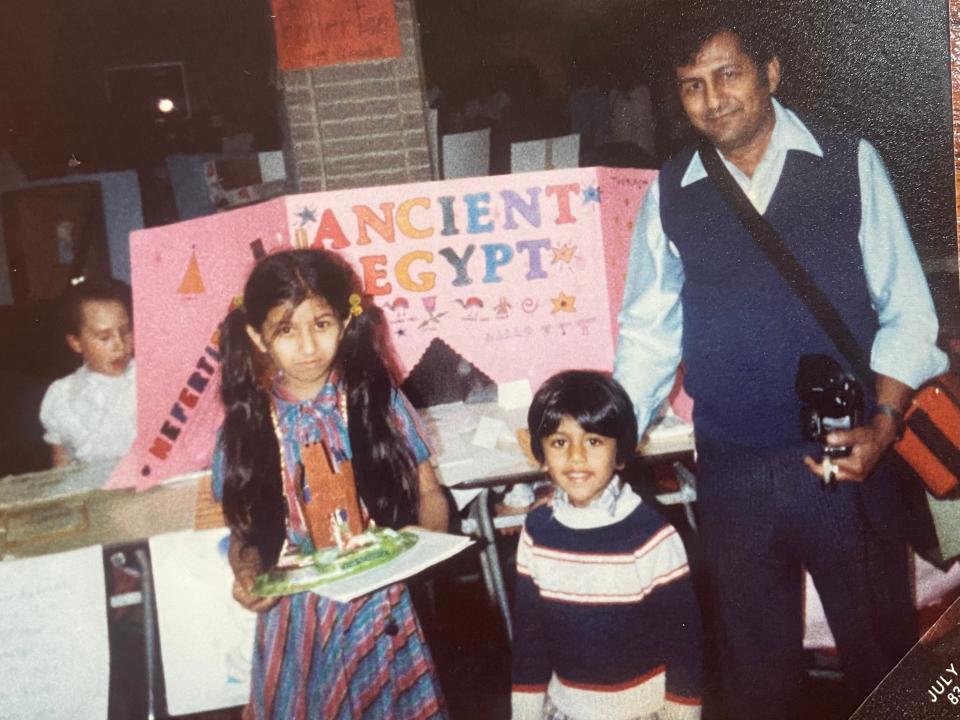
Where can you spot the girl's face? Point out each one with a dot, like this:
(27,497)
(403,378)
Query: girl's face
(105,340)
(581,463)
(302,342)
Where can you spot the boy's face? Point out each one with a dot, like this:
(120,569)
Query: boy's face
(106,337)
(580,462)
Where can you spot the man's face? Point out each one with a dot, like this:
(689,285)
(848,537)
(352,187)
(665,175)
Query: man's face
(726,96)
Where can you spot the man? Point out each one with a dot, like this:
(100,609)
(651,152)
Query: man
(698,286)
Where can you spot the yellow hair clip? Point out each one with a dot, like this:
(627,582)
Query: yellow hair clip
(355,307)
(237,302)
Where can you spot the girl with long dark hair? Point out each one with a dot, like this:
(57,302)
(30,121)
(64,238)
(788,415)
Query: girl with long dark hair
(305,360)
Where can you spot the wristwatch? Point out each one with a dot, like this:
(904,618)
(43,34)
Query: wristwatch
(896,415)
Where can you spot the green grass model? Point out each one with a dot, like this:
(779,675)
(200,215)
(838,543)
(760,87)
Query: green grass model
(330,564)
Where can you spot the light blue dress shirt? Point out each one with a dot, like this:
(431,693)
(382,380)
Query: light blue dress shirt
(651,319)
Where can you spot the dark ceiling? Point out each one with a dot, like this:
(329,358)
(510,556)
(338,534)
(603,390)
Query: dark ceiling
(880,68)
(53,102)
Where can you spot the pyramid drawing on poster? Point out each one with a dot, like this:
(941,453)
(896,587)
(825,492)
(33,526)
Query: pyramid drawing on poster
(444,376)
(192,282)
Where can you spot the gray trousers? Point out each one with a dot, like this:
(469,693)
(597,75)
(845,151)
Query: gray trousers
(763,518)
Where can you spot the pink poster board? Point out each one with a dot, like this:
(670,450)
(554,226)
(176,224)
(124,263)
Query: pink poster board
(522,275)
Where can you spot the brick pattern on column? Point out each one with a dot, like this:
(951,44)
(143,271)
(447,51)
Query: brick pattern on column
(359,124)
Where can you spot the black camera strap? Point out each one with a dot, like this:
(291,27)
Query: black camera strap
(786,263)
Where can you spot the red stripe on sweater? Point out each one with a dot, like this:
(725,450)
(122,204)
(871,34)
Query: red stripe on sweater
(622,558)
(664,533)
(529,688)
(680,700)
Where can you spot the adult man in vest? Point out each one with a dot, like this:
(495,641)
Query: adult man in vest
(699,286)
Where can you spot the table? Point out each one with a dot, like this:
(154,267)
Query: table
(66,508)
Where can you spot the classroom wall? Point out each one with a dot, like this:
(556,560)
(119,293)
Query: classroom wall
(122,210)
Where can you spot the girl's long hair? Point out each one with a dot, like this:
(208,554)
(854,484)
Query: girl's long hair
(383,462)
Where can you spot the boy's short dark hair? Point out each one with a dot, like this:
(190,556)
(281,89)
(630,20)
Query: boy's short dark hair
(696,26)
(106,289)
(597,402)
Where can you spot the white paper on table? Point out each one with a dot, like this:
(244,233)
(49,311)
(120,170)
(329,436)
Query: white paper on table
(464,497)
(206,637)
(458,414)
(452,449)
(487,463)
(514,395)
(488,432)
(431,548)
(54,653)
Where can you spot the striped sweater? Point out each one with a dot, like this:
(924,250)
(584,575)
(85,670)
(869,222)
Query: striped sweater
(606,620)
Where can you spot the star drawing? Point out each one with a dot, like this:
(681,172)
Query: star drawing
(564,303)
(591,193)
(307,215)
(564,253)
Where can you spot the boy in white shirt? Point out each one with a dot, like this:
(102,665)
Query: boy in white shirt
(91,413)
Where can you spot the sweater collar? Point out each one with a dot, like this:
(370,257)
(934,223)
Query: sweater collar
(597,513)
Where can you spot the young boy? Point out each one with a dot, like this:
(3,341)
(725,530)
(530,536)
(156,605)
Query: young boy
(606,622)
(91,413)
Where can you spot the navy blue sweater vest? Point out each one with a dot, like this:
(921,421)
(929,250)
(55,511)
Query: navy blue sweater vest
(743,328)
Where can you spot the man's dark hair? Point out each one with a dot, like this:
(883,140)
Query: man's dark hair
(697,25)
(598,403)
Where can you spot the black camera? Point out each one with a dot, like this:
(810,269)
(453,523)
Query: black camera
(832,400)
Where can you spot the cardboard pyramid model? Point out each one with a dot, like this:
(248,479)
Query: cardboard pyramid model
(444,376)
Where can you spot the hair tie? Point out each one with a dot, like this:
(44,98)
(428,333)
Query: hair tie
(236,303)
(356,308)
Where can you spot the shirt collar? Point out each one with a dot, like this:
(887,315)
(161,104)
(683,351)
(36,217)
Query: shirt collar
(606,501)
(326,395)
(789,133)
(99,377)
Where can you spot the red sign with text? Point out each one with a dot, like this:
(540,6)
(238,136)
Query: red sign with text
(312,33)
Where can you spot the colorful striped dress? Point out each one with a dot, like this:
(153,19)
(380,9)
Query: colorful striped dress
(315,658)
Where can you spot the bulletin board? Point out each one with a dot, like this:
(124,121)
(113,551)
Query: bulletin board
(517,276)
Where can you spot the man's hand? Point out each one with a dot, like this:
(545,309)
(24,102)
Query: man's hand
(868,444)
(245,561)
